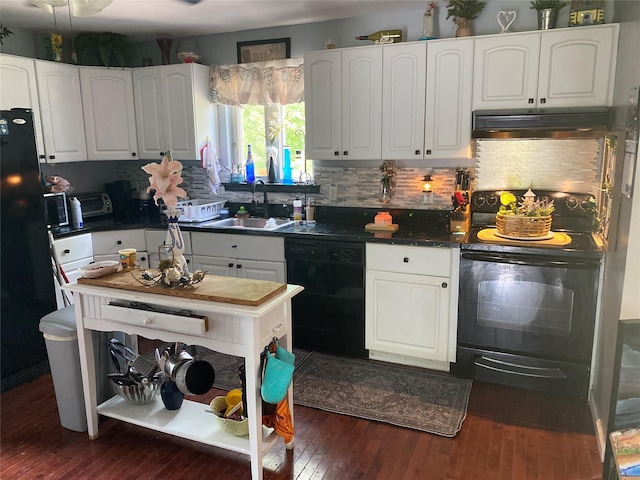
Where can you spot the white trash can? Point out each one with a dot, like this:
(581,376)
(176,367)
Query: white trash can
(61,339)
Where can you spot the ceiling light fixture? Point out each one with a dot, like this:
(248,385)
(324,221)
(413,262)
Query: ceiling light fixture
(78,8)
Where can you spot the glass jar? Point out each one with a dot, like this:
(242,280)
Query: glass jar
(188,51)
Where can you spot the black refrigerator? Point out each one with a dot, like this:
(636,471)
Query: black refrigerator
(28,291)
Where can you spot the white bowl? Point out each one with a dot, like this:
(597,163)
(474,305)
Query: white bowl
(99,269)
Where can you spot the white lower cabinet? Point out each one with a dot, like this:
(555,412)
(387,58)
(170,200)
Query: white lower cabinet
(242,256)
(72,253)
(410,308)
(106,245)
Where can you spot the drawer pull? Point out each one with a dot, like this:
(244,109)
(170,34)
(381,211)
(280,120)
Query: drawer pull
(277,327)
(405,259)
(444,285)
(119,242)
(66,250)
(147,321)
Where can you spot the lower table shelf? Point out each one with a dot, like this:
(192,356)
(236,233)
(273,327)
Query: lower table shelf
(190,421)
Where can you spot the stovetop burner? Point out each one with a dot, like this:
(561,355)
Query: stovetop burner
(572,218)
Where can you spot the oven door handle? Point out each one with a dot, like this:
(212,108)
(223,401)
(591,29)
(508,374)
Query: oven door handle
(532,261)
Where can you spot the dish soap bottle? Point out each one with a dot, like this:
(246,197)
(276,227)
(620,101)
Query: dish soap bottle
(249,171)
(297,210)
(76,213)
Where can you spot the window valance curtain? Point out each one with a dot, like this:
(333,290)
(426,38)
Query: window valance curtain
(260,83)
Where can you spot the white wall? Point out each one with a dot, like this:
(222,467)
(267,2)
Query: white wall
(221,49)
(622,262)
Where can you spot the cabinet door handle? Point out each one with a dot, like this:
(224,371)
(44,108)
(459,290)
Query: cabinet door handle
(346,152)
(238,266)
(336,153)
(230,265)
(119,242)
(405,259)
(543,100)
(428,152)
(52,157)
(133,154)
(66,250)
(444,285)
(530,100)
(144,259)
(417,152)
(43,156)
(234,246)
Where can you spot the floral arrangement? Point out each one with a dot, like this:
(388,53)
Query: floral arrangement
(544,4)
(528,206)
(164,180)
(388,170)
(469,9)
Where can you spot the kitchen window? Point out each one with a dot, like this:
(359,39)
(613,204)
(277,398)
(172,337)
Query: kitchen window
(279,125)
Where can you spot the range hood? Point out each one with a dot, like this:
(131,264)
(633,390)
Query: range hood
(542,123)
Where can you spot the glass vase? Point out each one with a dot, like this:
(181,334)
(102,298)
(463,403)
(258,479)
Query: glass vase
(386,190)
(174,242)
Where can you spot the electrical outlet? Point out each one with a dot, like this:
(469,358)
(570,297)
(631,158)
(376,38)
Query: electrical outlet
(333,192)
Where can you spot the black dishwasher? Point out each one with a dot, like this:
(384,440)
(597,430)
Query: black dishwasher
(329,314)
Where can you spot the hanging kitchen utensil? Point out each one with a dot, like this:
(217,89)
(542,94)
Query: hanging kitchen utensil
(143,366)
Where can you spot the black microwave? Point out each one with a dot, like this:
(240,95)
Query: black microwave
(55,209)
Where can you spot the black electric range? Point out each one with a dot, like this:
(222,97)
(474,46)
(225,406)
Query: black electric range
(573,217)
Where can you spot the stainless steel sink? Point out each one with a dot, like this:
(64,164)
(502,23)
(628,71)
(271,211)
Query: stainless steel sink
(251,223)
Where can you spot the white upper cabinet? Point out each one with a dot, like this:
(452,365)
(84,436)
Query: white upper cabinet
(343,103)
(577,66)
(403,100)
(448,98)
(109,115)
(323,104)
(553,68)
(173,110)
(505,71)
(361,103)
(61,112)
(18,89)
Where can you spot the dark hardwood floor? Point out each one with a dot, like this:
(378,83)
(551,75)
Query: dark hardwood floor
(508,434)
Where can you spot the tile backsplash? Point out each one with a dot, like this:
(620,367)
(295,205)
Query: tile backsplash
(570,165)
(567,164)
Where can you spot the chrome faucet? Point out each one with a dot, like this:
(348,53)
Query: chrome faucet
(265,202)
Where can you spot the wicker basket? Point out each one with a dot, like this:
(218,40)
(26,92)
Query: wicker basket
(234,427)
(522,226)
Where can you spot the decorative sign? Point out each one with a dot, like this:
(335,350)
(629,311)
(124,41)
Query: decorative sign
(586,12)
(264,50)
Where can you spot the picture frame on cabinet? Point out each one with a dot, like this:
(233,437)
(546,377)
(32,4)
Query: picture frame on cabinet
(264,50)
(632,135)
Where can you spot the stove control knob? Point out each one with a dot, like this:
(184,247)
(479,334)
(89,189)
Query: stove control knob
(492,200)
(478,199)
(571,203)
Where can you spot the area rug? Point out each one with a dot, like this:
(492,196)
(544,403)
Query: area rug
(405,396)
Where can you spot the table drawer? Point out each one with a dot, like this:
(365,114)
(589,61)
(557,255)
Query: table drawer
(155,320)
(432,261)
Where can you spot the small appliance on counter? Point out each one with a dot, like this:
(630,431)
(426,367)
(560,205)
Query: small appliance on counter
(56,211)
(95,204)
(460,218)
(120,194)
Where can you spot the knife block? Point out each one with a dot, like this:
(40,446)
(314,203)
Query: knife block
(460,222)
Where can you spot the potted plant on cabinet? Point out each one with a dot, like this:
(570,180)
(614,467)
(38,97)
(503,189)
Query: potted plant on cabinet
(547,12)
(463,11)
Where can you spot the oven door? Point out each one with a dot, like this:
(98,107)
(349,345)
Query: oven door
(539,306)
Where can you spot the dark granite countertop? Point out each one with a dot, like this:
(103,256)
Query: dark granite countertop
(419,227)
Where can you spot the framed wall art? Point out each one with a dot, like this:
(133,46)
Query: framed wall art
(264,50)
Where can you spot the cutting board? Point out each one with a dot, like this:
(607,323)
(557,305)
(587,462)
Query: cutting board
(374,227)
(558,240)
(213,288)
